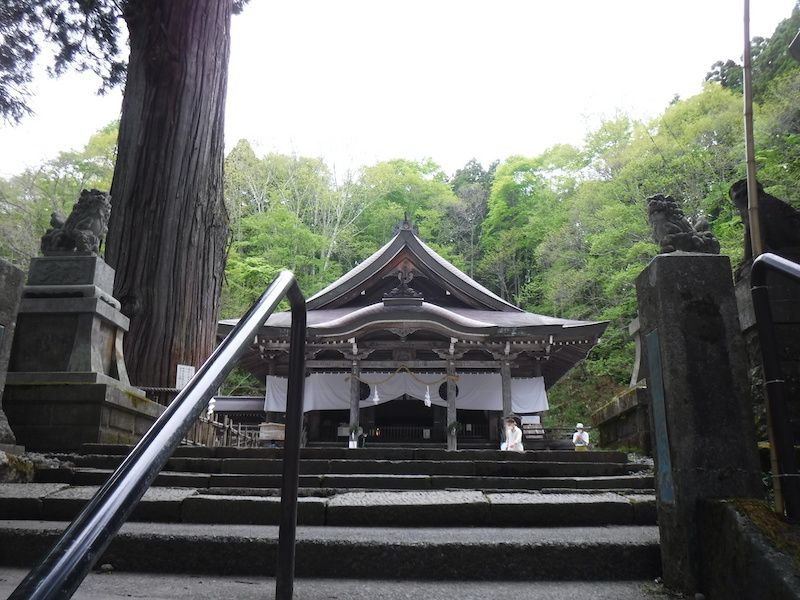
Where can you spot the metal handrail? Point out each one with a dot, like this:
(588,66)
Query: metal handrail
(66,565)
(773,377)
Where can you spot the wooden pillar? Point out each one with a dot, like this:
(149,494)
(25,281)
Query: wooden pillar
(452,415)
(355,393)
(505,376)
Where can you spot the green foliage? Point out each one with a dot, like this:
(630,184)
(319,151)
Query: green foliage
(564,233)
(241,383)
(84,36)
(28,199)
(768,56)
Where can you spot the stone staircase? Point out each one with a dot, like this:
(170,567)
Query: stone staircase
(371,513)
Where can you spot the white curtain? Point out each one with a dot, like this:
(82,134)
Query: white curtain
(476,391)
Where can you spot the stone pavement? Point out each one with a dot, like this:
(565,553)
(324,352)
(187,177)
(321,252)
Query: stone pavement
(124,586)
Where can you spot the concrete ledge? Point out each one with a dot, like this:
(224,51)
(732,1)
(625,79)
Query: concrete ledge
(418,509)
(385,482)
(256,510)
(739,561)
(63,414)
(24,500)
(157,504)
(534,509)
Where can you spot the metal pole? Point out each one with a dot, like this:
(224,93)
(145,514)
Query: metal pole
(782,437)
(284,573)
(756,240)
(63,569)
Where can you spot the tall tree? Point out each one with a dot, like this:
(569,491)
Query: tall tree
(168,226)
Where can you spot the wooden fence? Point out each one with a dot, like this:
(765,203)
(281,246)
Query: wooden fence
(221,433)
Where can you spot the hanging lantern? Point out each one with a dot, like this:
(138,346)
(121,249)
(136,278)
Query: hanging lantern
(427,399)
(376,398)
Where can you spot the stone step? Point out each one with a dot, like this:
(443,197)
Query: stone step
(312,466)
(91,476)
(625,552)
(372,453)
(124,586)
(56,502)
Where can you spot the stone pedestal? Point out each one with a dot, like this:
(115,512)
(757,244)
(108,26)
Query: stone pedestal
(67,383)
(701,420)
(11,280)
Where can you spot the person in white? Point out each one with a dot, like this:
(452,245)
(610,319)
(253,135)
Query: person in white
(580,438)
(513,441)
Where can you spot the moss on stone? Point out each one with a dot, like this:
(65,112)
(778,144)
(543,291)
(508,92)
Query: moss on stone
(15,469)
(782,535)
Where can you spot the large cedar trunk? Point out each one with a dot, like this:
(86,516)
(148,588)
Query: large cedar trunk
(169,228)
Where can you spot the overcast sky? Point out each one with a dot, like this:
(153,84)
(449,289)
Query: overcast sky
(359,81)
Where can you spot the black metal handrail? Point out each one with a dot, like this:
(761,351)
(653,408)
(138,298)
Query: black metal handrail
(783,437)
(65,566)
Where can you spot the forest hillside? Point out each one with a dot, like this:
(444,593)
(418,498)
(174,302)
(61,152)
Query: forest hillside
(562,233)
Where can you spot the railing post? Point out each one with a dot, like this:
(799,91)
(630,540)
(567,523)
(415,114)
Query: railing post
(284,574)
(67,563)
(781,436)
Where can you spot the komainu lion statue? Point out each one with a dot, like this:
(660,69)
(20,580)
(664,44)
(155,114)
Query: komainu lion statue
(83,230)
(780,222)
(673,232)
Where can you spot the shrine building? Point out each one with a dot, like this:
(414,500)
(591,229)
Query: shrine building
(408,347)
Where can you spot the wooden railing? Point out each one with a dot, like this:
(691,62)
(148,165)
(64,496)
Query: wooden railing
(206,432)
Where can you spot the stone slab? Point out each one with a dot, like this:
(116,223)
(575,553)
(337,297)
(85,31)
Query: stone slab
(192,452)
(159,504)
(439,482)
(542,510)
(256,510)
(194,465)
(24,500)
(408,508)
(444,554)
(623,481)
(644,509)
(407,482)
(258,481)
(54,475)
(124,586)
(547,469)
(265,466)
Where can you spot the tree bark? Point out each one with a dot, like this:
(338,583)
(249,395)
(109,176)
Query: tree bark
(169,228)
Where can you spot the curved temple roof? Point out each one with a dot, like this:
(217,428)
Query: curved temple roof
(425,259)
(406,286)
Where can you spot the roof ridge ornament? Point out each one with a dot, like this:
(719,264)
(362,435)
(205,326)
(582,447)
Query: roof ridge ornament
(404,293)
(406,225)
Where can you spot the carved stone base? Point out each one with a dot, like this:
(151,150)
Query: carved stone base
(61,411)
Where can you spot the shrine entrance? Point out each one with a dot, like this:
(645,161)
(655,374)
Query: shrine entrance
(408,325)
(405,410)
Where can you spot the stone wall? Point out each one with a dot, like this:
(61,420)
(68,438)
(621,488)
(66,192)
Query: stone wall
(11,280)
(624,422)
